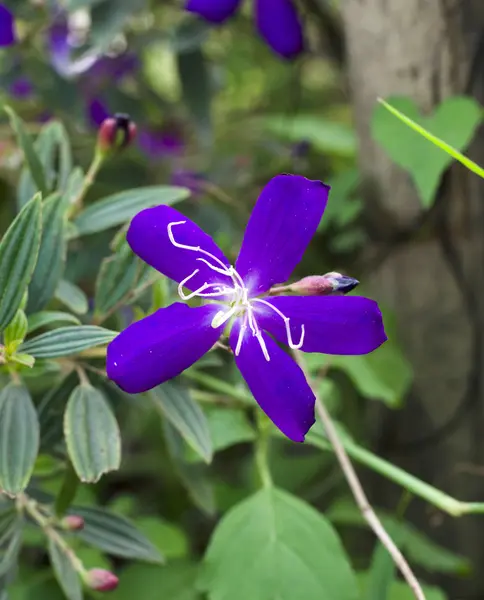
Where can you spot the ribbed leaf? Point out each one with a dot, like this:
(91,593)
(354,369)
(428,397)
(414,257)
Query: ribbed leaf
(115,535)
(18,255)
(66,341)
(72,296)
(46,318)
(117,277)
(186,416)
(121,208)
(52,253)
(92,434)
(64,572)
(31,157)
(51,411)
(19,438)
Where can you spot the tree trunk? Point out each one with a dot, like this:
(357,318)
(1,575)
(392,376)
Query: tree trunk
(421,49)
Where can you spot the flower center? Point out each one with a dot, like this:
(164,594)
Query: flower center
(239,303)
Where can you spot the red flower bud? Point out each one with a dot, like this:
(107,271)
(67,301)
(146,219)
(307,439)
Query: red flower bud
(72,523)
(101,580)
(116,133)
(321,285)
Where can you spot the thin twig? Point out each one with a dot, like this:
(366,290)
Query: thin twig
(359,494)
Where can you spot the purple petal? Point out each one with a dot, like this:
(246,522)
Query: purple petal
(149,239)
(333,324)
(279,24)
(7,27)
(189,179)
(161,143)
(97,112)
(161,346)
(61,52)
(281,226)
(278,385)
(215,11)
(21,88)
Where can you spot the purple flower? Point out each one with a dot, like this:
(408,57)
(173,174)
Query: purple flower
(21,88)
(7,27)
(164,344)
(62,52)
(277,21)
(162,143)
(189,179)
(97,112)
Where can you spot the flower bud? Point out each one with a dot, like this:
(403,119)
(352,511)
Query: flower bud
(322,285)
(101,580)
(116,133)
(72,523)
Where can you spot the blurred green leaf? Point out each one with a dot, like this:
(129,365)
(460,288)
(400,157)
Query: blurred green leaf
(92,434)
(186,416)
(115,535)
(122,207)
(64,572)
(109,18)
(176,581)
(52,253)
(455,120)
(19,438)
(170,539)
(399,590)
(66,341)
(18,255)
(72,296)
(273,545)
(327,136)
(31,157)
(46,318)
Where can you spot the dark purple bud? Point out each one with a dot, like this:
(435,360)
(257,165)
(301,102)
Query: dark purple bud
(322,285)
(72,523)
(116,133)
(101,580)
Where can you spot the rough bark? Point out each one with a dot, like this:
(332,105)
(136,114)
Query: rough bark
(420,48)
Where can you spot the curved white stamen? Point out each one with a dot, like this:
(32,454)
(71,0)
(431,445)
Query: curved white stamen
(222,317)
(263,346)
(240,339)
(287,324)
(226,271)
(257,332)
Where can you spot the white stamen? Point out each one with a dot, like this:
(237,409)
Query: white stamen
(222,317)
(263,346)
(240,339)
(287,324)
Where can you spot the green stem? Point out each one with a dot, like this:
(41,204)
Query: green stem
(262,450)
(219,386)
(89,179)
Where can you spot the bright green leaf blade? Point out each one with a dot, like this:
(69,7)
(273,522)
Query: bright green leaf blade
(274,545)
(66,341)
(115,535)
(64,572)
(18,254)
(176,581)
(72,296)
(92,434)
(52,253)
(31,157)
(46,318)
(186,416)
(19,438)
(121,208)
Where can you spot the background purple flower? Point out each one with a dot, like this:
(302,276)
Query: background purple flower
(21,88)
(161,346)
(7,26)
(278,21)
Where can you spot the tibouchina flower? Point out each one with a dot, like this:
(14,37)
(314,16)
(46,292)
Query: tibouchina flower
(62,52)
(162,345)
(277,21)
(7,27)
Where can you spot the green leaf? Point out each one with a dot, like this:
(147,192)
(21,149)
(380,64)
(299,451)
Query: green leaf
(52,253)
(46,318)
(399,590)
(196,85)
(66,341)
(274,545)
(327,135)
(115,535)
(64,572)
(186,416)
(72,296)
(455,120)
(109,18)
(51,411)
(176,581)
(18,255)
(122,207)
(31,157)
(380,575)
(92,434)
(117,277)
(193,476)
(19,438)
(170,539)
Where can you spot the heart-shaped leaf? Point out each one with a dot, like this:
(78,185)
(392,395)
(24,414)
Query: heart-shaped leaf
(455,120)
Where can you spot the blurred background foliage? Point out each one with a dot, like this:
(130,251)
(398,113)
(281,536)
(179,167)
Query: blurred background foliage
(218,113)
